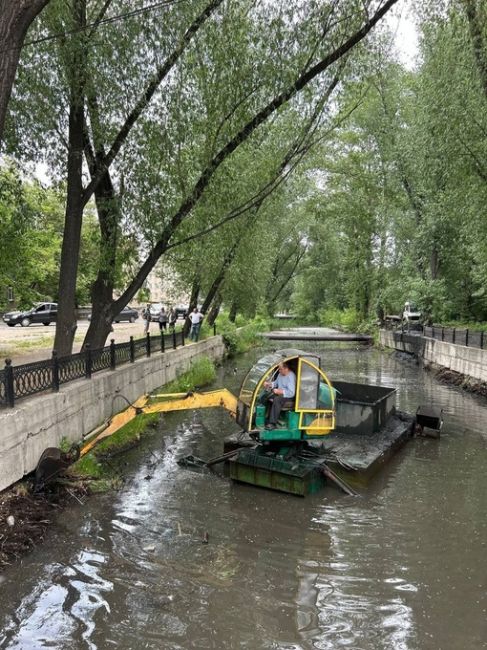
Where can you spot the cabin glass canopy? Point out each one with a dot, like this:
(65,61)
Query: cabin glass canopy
(267,367)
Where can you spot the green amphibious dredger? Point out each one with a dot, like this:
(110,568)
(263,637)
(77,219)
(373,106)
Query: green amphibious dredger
(332,432)
(281,458)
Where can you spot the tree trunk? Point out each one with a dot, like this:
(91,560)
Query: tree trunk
(232,316)
(193,302)
(15,18)
(108,208)
(476,23)
(67,320)
(215,310)
(218,281)
(434,263)
(102,313)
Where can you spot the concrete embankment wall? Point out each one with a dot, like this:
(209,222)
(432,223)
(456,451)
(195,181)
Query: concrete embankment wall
(471,362)
(80,406)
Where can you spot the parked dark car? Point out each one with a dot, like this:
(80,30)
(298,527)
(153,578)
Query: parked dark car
(41,312)
(181,311)
(128,313)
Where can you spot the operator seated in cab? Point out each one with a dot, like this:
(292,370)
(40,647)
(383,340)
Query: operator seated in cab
(283,392)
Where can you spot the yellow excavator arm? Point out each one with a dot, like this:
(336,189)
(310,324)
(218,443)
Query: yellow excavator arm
(163,403)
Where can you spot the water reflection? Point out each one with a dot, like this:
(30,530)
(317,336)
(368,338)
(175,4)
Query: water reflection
(383,571)
(65,603)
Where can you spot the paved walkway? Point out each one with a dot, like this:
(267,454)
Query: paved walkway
(34,343)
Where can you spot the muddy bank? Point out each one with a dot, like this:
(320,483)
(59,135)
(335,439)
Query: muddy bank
(452,378)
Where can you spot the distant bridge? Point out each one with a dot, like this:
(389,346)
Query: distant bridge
(326,336)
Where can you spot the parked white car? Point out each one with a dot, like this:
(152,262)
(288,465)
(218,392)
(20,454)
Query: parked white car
(411,314)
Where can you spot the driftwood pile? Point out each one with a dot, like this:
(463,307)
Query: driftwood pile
(25,517)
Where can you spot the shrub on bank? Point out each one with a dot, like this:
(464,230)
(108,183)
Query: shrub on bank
(347,319)
(242,338)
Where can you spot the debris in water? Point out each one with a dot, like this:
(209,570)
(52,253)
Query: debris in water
(206,538)
(179,530)
(10,520)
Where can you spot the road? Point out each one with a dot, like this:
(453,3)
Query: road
(34,343)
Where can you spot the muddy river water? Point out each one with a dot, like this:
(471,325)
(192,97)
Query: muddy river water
(403,567)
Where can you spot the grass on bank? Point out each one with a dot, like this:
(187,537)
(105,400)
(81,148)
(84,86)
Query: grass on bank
(201,373)
(95,467)
(43,342)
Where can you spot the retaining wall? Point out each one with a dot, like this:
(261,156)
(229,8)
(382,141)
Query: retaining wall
(80,406)
(468,361)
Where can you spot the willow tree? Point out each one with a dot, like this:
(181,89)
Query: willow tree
(451,101)
(16,16)
(292,53)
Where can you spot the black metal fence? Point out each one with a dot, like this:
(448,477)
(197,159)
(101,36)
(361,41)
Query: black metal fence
(471,338)
(31,378)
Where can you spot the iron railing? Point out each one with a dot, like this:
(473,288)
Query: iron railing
(28,379)
(470,338)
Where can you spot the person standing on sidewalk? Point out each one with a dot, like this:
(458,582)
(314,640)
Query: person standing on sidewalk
(173,317)
(162,320)
(147,316)
(196,318)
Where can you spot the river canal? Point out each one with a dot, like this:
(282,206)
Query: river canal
(403,567)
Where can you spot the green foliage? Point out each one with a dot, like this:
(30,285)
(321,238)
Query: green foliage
(31,227)
(348,319)
(202,372)
(174,178)
(30,219)
(89,466)
(143,295)
(399,214)
(64,444)
(242,338)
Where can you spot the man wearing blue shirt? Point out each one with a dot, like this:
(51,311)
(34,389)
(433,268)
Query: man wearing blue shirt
(283,393)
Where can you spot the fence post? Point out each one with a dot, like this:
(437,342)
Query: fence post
(174,344)
(147,343)
(88,361)
(9,383)
(432,331)
(442,333)
(55,371)
(214,329)
(112,354)
(182,336)
(132,349)
(482,340)
(466,337)
(453,335)
(163,343)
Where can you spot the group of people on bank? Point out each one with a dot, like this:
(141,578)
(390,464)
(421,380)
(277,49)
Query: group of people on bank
(165,319)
